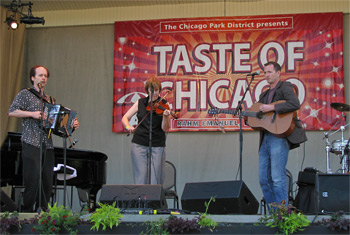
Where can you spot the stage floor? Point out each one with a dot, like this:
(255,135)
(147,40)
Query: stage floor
(237,218)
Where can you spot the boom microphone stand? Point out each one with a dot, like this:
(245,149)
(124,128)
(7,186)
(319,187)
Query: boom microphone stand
(239,110)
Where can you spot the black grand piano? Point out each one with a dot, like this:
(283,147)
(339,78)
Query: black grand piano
(90,166)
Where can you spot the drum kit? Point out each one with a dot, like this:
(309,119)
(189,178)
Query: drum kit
(338,147)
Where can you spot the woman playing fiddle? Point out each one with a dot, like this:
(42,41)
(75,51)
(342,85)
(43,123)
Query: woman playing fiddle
(140,141)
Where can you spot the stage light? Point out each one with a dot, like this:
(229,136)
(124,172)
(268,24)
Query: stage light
(12,23)
(32,20)
(17,8)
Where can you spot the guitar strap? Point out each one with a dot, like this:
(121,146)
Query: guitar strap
(51,100)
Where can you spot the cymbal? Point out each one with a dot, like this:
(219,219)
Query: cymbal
(341,107)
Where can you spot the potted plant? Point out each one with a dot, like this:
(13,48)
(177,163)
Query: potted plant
(57,219)
(336,222)
(9,221)
(105,216)
(286,218)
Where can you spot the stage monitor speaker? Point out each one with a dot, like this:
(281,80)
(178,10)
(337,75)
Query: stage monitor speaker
(6,203)
(333,192)
(134,195)
(231,197)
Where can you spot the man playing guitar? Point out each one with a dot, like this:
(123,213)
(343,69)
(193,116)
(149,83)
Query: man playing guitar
(273,149)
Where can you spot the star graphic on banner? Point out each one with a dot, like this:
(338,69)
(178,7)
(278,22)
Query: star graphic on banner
(320,32)
(133,43)
(122,40)
(131,67)
(316,63)
(314,113)
(341,86)
(336,69)
(328,45)
(327,82)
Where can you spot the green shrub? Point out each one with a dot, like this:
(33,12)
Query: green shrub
(55,219)
(105,216)
(287,219)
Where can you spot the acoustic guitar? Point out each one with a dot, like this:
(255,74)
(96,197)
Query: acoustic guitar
(281,125)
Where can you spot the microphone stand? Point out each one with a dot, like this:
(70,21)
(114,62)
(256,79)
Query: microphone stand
(41,146)
(345,163)
(149,159)
(239,110)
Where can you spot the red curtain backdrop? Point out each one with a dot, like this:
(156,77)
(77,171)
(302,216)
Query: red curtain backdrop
(203,64)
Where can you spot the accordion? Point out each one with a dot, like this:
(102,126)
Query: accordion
(59,119)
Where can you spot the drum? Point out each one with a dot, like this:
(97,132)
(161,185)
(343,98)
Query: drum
(338,146)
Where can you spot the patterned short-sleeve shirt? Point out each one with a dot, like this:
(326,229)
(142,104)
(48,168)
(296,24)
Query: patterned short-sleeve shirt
(27,101)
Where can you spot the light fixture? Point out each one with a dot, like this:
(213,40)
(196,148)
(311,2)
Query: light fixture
(32,20)
(16,7)
(12,23)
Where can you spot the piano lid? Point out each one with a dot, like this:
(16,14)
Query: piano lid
(13,143)
(80,154)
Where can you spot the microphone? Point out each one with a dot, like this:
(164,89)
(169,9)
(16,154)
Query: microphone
(152,89)
(40,86)
(253,74)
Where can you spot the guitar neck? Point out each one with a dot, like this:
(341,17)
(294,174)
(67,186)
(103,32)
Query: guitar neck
(214,111)
(232,111)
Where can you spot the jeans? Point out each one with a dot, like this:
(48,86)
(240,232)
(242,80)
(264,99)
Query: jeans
(273,157)
(139,156)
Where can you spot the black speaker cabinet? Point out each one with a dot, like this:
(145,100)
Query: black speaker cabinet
(231,197)
(134,195)
(6,203)
(333,192)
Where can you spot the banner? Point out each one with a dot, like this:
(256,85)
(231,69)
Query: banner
(203,63)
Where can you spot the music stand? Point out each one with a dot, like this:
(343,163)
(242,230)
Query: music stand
(59,120)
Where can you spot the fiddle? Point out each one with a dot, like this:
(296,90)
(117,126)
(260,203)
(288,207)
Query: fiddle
(159,108)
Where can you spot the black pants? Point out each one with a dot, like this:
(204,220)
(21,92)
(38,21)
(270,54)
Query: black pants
(31,168)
